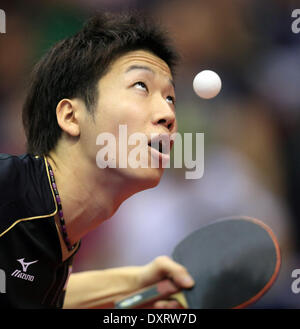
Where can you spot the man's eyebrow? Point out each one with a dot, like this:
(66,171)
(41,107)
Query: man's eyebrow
(146,68)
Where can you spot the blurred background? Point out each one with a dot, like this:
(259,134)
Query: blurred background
(252,128)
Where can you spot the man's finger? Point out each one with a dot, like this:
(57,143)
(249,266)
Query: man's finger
(175,271)
(167,304)
(164,267)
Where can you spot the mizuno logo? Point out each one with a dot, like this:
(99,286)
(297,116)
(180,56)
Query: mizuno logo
(25,265)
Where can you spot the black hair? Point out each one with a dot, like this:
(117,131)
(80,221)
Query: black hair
(73,66)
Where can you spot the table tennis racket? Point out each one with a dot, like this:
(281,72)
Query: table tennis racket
(233,261)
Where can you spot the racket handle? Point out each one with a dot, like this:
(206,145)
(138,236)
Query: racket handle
(160,290)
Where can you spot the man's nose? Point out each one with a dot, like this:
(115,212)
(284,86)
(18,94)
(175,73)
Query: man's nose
(165,116)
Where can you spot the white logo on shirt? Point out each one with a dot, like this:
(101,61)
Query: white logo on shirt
(25,265)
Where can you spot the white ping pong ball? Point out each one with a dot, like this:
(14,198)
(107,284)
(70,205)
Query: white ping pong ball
(207,84)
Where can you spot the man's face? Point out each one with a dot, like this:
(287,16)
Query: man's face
(137,91)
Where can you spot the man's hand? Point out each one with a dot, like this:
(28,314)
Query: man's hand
(100,289)
(164,267)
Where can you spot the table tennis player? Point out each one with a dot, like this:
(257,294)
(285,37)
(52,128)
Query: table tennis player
(117,70)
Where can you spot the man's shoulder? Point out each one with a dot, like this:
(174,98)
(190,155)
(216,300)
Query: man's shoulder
(25,191)
(14,174)
(15,163)
(11,172)
(18,159)
(9,162)
(15,158)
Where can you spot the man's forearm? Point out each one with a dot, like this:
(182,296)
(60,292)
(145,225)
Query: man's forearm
(96,289)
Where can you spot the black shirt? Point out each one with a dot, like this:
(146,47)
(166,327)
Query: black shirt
(32,273)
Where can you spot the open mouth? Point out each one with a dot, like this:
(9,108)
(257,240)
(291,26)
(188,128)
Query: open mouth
(158,147)
(162,144)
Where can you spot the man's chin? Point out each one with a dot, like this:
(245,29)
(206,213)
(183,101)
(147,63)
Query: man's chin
(144,178)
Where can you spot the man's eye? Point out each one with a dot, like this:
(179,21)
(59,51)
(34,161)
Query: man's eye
(170,99)
(141,85)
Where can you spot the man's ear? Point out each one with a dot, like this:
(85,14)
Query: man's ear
(67,113)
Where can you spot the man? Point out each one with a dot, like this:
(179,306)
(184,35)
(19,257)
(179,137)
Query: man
(116,71)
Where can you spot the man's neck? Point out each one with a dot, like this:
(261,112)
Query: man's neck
(87,199)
